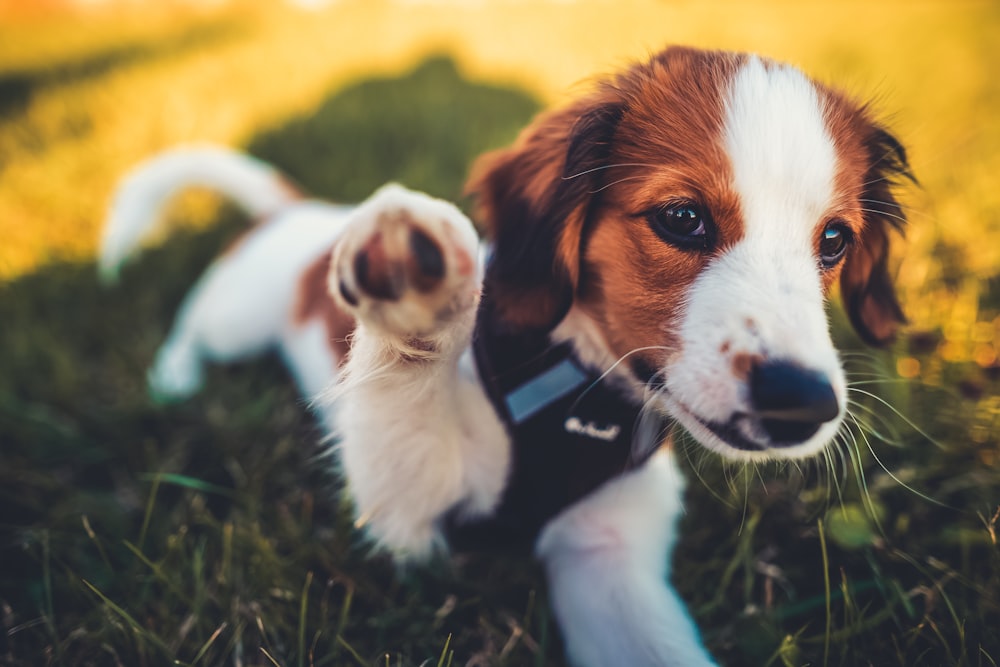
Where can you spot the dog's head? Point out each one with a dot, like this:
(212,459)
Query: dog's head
(694,212)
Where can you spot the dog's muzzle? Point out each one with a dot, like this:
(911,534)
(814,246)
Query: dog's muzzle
(788,406)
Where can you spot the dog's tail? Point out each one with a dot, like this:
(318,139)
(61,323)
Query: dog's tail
(144,192)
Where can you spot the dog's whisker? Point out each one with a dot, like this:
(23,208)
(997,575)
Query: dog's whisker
(697,465)
(610,370)
(607,166)
(727,475)
(878,380)
(892,475)
(886,433)
(746,501)
(881,202)
(908,421)
(839,473)
(890,178)
(613,183)
(840,444)
(910,212)
(859,472)
(648,432)
(831,474)
(895,216)
(864,359)
(863,362)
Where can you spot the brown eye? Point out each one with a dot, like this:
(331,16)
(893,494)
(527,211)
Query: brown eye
(833,244)
(683,224)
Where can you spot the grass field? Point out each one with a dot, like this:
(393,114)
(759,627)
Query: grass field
(212,532)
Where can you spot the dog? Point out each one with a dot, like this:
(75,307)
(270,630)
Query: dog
(659,251)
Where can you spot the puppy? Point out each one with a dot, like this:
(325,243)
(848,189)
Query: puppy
(661,249)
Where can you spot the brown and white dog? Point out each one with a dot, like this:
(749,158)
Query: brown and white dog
(662,247)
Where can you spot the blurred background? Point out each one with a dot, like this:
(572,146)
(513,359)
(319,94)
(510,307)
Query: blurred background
(211,533)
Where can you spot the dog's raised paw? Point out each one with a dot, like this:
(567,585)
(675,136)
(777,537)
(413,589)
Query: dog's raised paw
(400,255)
(406,263)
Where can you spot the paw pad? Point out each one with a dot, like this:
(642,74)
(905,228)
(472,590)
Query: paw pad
(396,259)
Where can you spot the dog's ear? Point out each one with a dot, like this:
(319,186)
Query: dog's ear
(535,198)
(866,285)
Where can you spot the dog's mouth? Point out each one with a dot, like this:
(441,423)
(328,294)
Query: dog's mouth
(781,433)
(783,410)
(749,433)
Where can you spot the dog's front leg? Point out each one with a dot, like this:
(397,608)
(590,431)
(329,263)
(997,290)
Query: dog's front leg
(607,559)
(406,269)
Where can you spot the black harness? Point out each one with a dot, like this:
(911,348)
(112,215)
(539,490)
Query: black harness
(570,432)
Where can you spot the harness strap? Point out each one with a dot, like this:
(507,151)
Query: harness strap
(570,433)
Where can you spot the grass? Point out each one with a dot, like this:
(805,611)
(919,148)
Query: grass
(212,532)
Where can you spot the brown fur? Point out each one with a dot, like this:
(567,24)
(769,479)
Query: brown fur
(596,243)
(564,205)
(292,191)
(314,301)
(871,162)
(534,207)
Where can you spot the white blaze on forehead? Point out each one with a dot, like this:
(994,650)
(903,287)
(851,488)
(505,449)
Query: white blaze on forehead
(761,297)
(782,156)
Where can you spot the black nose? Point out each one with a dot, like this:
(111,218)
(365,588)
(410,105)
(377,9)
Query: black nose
(791,402)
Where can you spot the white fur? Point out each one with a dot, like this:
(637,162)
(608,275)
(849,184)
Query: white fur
(394,389)
(418,436)
(608,559)
(763,296)
(144,192)
(243,305)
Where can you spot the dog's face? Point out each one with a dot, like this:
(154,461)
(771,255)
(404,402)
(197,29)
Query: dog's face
(698,208)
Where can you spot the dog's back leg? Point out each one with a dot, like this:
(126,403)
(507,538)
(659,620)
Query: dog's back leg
(220,320)
(177,372)
(607,559)
(245,301)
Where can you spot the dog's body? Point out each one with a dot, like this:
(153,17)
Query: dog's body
(660,248)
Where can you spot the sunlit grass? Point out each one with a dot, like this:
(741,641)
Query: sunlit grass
(123,535)
(929,66)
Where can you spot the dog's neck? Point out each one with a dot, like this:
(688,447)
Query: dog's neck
(523,354)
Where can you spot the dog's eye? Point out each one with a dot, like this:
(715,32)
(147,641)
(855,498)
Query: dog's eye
(833,244)
(681,224)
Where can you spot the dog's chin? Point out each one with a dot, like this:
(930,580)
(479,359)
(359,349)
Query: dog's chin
(741,440)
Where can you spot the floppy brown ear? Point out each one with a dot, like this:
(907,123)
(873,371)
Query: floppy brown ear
(535,198)
(866,286)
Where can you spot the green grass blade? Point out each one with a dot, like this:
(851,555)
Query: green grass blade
(303,606)
(188,482)
(826,592)
(350,649)
(208,644)
(444,652)
(159,573)
(132,623)
(270,657)
(149,513)
(97,543)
